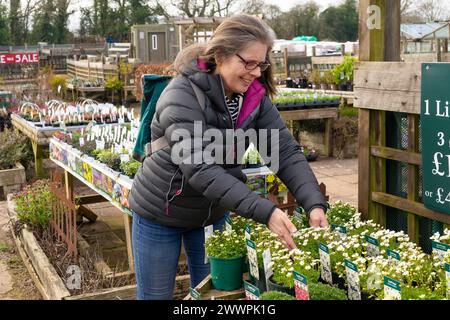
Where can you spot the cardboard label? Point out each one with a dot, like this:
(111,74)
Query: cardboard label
(439,250)
(251,292)
(340,230)
(209,230)
(124,158)
(301,286)
(392,289)
(228,223)
(354,290)
(248,231)
(252,258)
(373,246)
(325,263)
(100,144)
(267,259)
(81,141)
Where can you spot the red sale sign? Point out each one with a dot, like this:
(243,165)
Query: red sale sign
(16,58)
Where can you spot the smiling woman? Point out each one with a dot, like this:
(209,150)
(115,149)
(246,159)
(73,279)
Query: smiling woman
(223,85)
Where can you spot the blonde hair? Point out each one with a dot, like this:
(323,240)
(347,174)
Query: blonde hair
(233,35)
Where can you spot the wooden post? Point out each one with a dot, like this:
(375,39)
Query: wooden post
(376,44)
(128,235)
(38,155)
(438,51)
(329,137)
(413,176)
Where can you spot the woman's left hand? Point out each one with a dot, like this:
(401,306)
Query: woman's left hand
(317,218)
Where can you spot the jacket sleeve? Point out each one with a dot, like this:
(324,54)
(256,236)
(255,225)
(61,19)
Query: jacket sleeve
(179,109)
(293,168)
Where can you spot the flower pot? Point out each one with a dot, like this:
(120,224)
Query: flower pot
(289,83)
(226,274)
(272,286)
(323,86)
(337,281)
(342,87)
(366,296)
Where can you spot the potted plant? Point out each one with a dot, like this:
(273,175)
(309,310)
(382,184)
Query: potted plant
(320,291)
(226,252)
(314,79)
(130,168)
(275,295)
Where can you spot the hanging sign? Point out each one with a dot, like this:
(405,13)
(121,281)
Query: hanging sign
(17,58)
(435,130)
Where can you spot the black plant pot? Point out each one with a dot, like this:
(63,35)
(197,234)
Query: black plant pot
(261,283)
(289,83)
(343,87)
(366,296)
(337,281)
(272,286)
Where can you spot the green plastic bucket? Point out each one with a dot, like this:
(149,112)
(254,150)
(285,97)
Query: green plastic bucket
(226,274)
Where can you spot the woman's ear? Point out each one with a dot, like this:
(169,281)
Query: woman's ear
(218,58)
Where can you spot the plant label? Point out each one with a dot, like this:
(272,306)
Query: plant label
(340,230)
(298,214)
(439,250)
(447,278)
(81,141)
(100,144)
(248,231)
(124,158)
(121,121)
(393,256)
(267,260)
(373,246)
(208,233)
(251,292)
(392,289)
(195,295)
(228,223)
(325,263)
(252,259)
(301,286)
(354,290)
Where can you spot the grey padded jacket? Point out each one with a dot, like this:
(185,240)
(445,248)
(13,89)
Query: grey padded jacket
(196,195)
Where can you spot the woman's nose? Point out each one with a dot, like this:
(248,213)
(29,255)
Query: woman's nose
(256,72)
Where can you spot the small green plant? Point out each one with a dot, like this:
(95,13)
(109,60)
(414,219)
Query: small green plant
(109,158)
(14,147)
(57,81)
(225,245)
(4,247)
(130,168)
(320,291)
(34,205)
(275,295)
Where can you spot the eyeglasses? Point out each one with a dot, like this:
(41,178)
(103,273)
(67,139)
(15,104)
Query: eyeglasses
(252,65)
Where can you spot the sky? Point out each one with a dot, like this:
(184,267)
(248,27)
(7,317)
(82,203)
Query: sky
(284,5)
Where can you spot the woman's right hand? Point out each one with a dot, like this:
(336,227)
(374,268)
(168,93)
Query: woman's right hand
(281,225)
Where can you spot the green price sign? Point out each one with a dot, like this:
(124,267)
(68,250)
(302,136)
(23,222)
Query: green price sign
(435,130)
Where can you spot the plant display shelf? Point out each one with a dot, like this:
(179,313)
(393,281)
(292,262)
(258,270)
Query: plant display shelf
(40,138)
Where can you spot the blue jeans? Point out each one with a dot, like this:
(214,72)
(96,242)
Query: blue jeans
(156,250)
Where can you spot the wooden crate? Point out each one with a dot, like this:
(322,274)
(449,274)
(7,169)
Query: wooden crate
(207,291)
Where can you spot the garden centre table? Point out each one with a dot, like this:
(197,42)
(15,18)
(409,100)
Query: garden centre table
(328,114)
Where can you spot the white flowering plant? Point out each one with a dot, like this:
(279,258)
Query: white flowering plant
(295,260)
(444,238)
(225,245)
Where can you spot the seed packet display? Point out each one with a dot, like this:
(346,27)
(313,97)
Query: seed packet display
(392,289)
(251,292)
(208,233)
(252,259)
(354,289)
(325,263)
(301,286)
(373,246)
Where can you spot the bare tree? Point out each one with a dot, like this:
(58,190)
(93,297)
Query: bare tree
(431,10)
(194,8)
(406,6)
